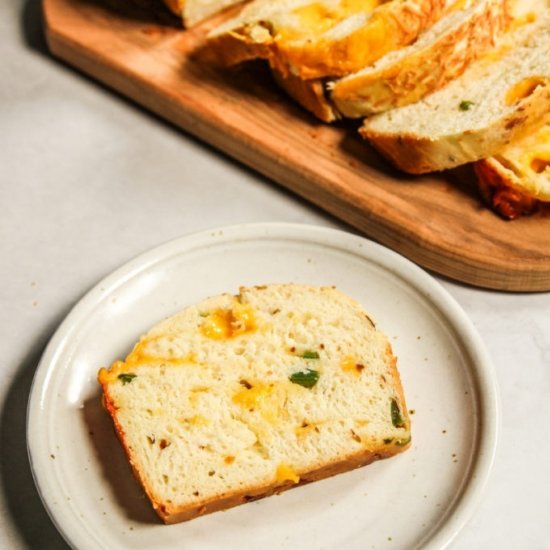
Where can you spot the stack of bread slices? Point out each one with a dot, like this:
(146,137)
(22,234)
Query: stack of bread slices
(438,83)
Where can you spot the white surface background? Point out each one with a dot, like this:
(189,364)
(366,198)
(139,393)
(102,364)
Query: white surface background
(89,180)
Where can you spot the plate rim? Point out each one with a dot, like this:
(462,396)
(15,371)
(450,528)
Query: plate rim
(482,368)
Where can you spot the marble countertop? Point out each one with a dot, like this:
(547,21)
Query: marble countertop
(84,181)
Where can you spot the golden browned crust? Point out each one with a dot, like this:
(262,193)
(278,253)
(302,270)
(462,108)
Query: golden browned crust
(310,94)
(419,155)
(423,71)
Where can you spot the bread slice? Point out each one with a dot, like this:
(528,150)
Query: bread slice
(499,98)
(517,178)
(193,12)
(322,38)
(239,397)
(440,54)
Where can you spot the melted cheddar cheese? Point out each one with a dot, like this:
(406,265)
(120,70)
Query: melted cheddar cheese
(251,398)
(518,178)
(286,473)
(196,420)
(329,57)
(536,158)
(142,355)
(217,325)
(352,365)
(522,89)
(106,376)
(269,400)
(373,30)
(222,324)
(318,18)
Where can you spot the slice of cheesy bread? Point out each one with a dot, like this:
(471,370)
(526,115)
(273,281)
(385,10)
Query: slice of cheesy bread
(322,38)
(239,397)
(440,54)
(501,97)
(517,178)
(195,11)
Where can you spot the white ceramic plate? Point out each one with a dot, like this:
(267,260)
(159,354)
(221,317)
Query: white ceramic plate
(418,499)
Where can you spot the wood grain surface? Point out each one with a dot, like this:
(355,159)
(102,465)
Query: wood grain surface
(439,221)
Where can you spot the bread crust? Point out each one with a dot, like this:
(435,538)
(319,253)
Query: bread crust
(416,154)
(423,71)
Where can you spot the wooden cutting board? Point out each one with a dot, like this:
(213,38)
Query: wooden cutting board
(439,222)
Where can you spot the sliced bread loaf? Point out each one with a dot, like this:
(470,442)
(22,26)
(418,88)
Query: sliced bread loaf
(322,38)
(238,397)
(517,178)
(499,98)
(440,54)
